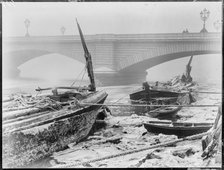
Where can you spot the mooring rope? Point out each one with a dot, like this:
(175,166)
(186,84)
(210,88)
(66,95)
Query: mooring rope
(142,105)
(120,99)
(208,92)
(133,151)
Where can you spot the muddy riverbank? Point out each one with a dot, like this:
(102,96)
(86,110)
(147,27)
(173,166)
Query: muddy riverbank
(124,131)
(127,133)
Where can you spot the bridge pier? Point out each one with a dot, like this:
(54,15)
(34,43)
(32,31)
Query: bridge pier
(124,78)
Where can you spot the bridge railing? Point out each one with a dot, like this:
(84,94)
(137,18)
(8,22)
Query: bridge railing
(117,37)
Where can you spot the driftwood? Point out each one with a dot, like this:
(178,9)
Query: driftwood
(209,150)
(45,118)
(19,113)
(15,113)
(114,139)
(210,141)
(101,121)
(198,136)
(17,108)
(21,118)
(39,120)
(150,155)
(182,153)
(28,111)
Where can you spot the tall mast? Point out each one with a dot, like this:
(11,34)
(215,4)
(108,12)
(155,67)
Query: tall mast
(88,60)
(189,62)
(188,67)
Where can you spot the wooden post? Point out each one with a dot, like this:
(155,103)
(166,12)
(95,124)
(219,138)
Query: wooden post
(212,139)
(147,90)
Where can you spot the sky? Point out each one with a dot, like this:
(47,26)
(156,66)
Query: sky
(108,17)
(46,19)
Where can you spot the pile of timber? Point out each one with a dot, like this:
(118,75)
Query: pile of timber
(23,105)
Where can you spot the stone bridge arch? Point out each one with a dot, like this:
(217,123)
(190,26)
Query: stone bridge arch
(126,56)
(154,56)
(143,65)
(13,59)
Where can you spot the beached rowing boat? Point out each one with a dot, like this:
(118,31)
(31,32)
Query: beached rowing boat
(180,129)
(164,111)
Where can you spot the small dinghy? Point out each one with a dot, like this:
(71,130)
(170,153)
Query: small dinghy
(164,111)
(181,129)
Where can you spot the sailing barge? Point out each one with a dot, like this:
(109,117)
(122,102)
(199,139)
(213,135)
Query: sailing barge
(29,136)
(156,96)
(168,94)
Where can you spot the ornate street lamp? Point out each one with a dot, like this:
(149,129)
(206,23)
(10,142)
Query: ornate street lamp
(204,16)
(63,30)
(27,24)
(217,25)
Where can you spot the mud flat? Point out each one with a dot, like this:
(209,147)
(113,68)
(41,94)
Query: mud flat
(127,133)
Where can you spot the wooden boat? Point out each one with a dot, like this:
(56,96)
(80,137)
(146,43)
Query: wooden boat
(181,129)
(32,134)
(163,95)
(164,111)
(141,94)
(156,97)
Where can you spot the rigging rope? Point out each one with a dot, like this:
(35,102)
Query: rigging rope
(78,76)
(209,92)
(82,77)
(142,105)
(120,98)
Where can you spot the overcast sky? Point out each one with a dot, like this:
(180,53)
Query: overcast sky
(109,17)
(112,18)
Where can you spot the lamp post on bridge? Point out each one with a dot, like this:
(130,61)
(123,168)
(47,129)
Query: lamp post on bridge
(217,25)
(63,30)
(27,24)
(204,16)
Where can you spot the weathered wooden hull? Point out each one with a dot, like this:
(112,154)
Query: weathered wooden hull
(159,96)
(26,144)
(142,94)
(179,129)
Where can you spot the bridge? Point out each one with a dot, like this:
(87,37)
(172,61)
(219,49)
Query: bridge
(126,56)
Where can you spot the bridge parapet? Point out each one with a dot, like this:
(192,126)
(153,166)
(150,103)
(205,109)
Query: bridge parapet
(116,37)
(118,52)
